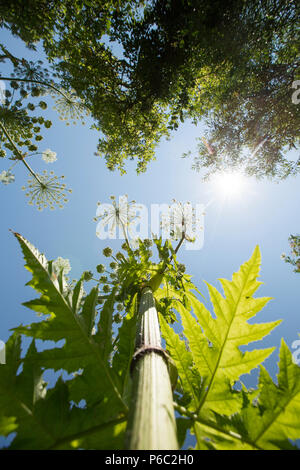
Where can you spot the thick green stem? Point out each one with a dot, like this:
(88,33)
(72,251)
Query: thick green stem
(151,424)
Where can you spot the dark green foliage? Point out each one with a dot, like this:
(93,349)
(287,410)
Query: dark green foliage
(141,68)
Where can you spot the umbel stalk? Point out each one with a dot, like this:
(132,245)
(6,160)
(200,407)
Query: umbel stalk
(151,424)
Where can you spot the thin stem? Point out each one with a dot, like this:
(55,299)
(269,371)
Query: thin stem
(177,247)
(34,153)
(125,234)
(21,157)
(11,166)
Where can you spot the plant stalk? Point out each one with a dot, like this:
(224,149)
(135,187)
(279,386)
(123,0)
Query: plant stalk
(151,424)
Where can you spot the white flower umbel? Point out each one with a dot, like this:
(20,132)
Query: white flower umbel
(49,156)
(6,177)
(179,221)
(116,215)
(62,264)
(70,106)
(46,191)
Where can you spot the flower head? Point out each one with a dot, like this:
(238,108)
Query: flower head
(49,156)
(117,318)
(100,268)
(107,252)
(7,177)
(46,190)
(120,256)
(181,268)
(178,222)
(62,264)
(121,214)
(87,275)
(70,106)
(147,242)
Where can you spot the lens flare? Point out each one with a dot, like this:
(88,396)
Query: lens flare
(230,184)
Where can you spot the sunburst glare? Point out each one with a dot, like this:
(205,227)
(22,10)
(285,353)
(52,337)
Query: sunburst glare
(230,185)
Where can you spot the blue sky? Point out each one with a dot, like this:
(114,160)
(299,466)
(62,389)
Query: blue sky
(264,214)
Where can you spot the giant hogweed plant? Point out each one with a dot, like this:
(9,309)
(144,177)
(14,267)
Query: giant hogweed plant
(97,403)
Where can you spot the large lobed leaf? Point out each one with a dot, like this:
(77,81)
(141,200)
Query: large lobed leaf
(269,422)
(125,347)
(64,321)
(276,418)
(45,419)
(214,343)
(220,416)
(24,403)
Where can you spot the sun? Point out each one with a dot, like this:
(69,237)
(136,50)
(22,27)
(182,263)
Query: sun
(230,184)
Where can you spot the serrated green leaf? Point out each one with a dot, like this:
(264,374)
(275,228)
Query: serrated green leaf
(276,419)
(189,377)
(77,296)
(80,349)
(88,312)
(215,342)
(183,426)
(125,347)
(270,421)
(21,389)
(47,419)
(54,424)
(104,327)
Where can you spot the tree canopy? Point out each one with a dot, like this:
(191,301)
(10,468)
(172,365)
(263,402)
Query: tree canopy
(142,67)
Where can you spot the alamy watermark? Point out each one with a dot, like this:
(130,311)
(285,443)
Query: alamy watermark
(2,92)
(159,220)
(296,94)
(2,353)
(296,353)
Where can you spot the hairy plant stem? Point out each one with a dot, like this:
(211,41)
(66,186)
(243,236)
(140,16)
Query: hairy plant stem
(151,423)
